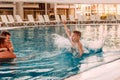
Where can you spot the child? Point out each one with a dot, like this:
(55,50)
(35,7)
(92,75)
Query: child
(74,38)
(8,42)
(5,52)
(2,44)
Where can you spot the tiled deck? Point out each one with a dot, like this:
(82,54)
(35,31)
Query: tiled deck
(110,71)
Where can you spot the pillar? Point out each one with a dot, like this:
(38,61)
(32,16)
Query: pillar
(46,8)
(19,9)
(55,8)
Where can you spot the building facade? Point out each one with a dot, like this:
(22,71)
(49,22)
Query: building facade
(25,8)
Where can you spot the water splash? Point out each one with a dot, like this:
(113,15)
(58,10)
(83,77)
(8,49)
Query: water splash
(60,41)
(94,45)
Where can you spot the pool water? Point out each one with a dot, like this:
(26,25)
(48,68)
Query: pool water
(43,53)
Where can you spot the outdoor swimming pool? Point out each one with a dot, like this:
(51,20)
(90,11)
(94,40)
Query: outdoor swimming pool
(43,52)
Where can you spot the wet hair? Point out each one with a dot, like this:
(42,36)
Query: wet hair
(77,32)
(2,39)
(5,33)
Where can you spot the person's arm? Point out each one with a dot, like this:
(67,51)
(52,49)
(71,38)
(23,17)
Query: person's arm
(9,45)
(80,48)
(67,30)
(3,49)
(11,48)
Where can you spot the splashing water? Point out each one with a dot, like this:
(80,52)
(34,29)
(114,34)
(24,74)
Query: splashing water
(62,42)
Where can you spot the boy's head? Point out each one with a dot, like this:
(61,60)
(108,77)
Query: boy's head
(78,33)
(6,34)
(76,36)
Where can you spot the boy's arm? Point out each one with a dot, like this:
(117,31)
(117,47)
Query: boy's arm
(10,46)
(80,48)
(67,30)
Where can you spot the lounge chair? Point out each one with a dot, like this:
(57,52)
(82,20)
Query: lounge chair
(63,18)
(111,19)
(40,19)
(20,21)
(47,20)
(5,21)
(31,20)
(57,19)
(11,19)
(72,19)
(117,18)
(79,18)
(99,20)
(92,19)
(82,19)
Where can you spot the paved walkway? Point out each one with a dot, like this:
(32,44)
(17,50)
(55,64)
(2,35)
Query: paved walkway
(110,71)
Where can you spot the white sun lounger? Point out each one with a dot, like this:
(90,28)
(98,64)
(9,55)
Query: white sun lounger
(82,19)
(47,20)
(117,18)
(99,20)
(63,18)
(12,20)
(111,19)
(72,19)
(20,21)
(92,19)
(40,19)
(57,19)
(5,20)
(31,20)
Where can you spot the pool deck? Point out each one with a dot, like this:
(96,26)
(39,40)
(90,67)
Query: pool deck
(110,71)
(5,27)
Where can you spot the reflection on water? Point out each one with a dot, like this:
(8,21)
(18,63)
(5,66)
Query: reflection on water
(43,52)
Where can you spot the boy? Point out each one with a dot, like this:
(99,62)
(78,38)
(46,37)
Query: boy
(8,42)
(6,49)
(74,39)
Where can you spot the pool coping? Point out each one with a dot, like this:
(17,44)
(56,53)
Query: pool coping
(17,27)
(100,72)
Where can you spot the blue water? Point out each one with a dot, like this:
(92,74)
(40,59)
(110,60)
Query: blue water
(39,58)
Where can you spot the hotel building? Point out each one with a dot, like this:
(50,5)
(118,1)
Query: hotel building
(35,8)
